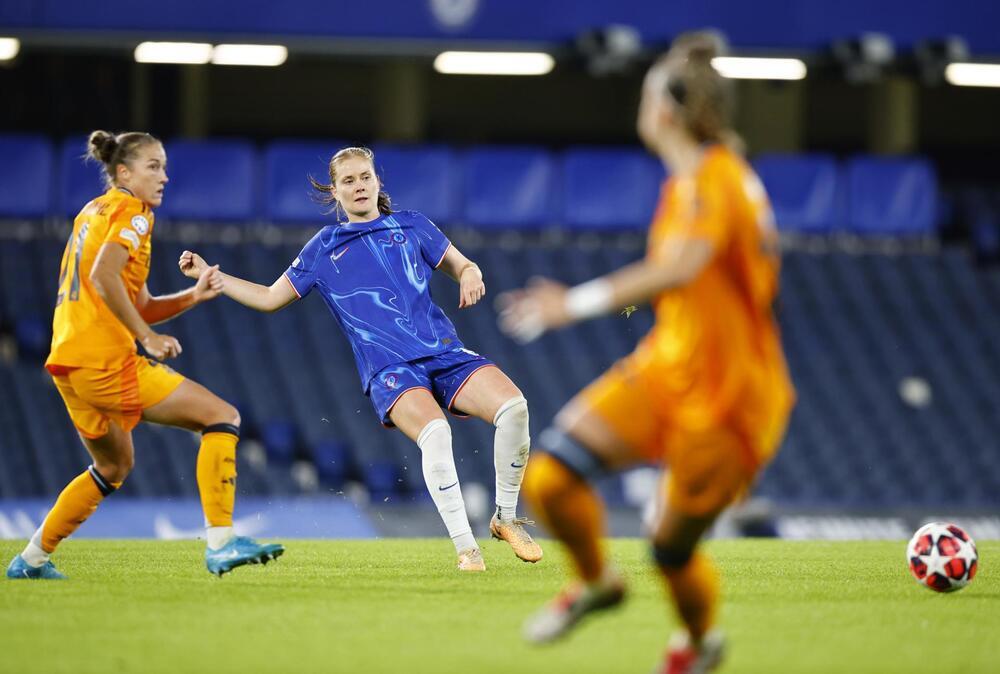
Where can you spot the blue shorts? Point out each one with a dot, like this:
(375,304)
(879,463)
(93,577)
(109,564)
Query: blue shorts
(443,375)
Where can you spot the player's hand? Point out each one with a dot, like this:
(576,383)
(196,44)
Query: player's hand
(209,285)
(471,288)
(191,264)
(161,347)
(526,314)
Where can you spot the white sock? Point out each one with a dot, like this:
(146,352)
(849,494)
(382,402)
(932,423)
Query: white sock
(510,454)
(442,482)
(216,537)
(34,555)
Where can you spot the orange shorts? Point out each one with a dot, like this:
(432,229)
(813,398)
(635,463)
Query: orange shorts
(709,468)
(95,398)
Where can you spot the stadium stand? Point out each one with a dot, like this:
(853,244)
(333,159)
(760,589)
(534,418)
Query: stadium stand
(805,191)
(26,184)
(508,187)
(857,326)
(287,165)
(891,196)
(212,180)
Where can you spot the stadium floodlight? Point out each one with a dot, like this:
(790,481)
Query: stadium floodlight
(757,68)
(249,54)
(173,52)
(9,47)
(493,63)
(973,74)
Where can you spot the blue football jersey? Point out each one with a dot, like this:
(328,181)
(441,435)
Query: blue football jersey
(374,278)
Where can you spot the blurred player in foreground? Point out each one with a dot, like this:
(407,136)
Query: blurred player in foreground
(102,308)
(706,392)
(373,272)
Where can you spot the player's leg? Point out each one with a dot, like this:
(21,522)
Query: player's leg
(606,428)
(192,406)
(417,414)
(490,395)
(113,456)
(86,393)
(708,471)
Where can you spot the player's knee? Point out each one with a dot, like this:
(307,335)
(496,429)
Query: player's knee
(572,454)
(672,556)
(223,415)
(512,414)
(115,470)
(547,481)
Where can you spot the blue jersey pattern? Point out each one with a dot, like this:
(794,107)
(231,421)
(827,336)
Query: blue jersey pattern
(374,278)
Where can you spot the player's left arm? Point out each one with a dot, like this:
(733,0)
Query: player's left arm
(467,273)
(546,305)
(160,308)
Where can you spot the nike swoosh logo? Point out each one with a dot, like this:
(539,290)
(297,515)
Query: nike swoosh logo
(336,257)
(449,486)
(517,465)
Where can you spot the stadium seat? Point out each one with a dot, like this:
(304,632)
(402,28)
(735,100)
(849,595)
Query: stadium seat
(804,191)
(281,440)
(610,188)
(211,180)
(509,188)
(893,197)
(78,181)
(25,176)
(288,197)
(333,462)
(420,178)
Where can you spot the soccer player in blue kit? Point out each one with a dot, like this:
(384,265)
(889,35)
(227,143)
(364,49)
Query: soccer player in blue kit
(373,272)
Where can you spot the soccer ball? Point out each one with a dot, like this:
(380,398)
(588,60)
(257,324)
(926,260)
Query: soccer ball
(942,557)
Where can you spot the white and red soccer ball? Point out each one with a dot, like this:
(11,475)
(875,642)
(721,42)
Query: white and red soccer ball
(942,557)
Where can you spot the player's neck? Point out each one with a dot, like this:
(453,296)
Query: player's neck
(683,156)
(362,218)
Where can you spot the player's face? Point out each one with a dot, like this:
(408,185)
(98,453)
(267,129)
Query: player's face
(146,175)
(356,188)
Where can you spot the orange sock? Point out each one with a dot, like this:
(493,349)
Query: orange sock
(75,504)
(695,588)
(216,473)
(570,509)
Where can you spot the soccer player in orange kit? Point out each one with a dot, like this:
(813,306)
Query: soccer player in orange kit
(706,393)
(102,308)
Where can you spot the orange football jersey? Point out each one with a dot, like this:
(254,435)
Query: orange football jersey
(84,331)
(715,345)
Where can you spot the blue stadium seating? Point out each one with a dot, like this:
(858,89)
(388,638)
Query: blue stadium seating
(854,326)
(25,176)
(610,188)
(287,167)
(420,178)
(804,190)
(78,181)
(211,180)
(508,187)
(490,188)
(891,196)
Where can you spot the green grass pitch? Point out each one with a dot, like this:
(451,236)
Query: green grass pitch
(398,606)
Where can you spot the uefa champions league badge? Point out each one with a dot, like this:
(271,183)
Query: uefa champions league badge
(140,224)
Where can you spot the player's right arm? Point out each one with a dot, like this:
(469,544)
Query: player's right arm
(106,276)
(254,295)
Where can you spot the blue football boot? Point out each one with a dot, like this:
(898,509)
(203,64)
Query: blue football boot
(238,551)
(20,569)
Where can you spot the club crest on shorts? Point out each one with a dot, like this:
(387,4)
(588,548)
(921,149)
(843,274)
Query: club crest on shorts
(140,224)
(390,382)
